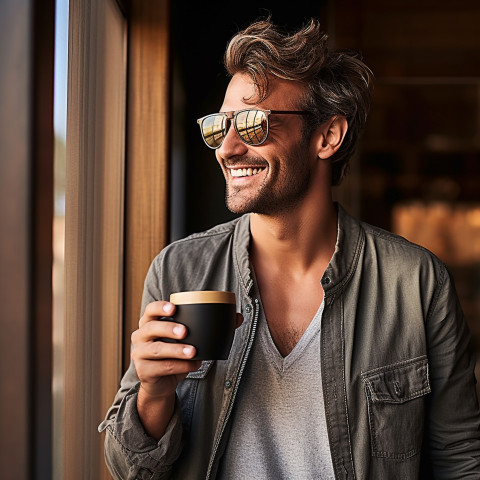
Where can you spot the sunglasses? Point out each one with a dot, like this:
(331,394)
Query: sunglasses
(252,126)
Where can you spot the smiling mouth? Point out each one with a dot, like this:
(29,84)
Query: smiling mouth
(245,172)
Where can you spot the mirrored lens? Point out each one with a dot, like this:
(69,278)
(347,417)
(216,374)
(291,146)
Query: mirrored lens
(214,130)
(252,127)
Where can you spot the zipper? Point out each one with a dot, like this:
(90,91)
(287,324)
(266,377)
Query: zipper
(234,393)
(345,473)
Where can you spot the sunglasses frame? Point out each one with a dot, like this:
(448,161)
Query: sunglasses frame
(232,116)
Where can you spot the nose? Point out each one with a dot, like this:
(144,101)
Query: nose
(232,145)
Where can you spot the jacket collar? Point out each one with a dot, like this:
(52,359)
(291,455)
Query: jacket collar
(350,242)
(241,242)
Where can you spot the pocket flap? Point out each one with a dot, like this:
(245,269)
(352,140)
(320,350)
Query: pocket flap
(203,370)
(399,382)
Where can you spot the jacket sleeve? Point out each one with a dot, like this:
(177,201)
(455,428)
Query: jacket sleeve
(453,420)
(130,453)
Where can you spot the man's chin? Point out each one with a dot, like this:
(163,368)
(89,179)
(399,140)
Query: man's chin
(251,207)
(260,204)
(238,210)
(240,207)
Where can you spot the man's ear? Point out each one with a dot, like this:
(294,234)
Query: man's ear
(330,136)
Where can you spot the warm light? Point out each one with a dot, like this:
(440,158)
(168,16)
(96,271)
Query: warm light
(451,231)
(473,218)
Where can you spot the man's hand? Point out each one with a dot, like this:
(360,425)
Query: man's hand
(160,365)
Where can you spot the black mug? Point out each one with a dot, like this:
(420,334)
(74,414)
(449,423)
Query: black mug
(210,318)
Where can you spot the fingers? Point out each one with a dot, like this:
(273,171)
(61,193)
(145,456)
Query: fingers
(155,310)
(160,365)
(239,320)
(162,350)
(152,331)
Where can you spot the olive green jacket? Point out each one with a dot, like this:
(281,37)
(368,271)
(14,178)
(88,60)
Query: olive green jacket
(396,363)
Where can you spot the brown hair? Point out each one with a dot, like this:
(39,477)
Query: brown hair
(337,82)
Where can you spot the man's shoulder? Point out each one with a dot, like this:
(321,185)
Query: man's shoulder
(201,260)
(205,243)
(397,249)
(222,230)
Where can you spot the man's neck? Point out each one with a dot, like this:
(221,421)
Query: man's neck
(298,240)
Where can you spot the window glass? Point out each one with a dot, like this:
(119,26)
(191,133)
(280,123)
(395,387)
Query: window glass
(60,122)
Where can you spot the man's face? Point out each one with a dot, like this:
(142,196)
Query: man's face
(275,176)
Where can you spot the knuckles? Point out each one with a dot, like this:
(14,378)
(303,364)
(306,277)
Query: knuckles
(143,332)
(157,349)
(134,357)
(168,367)
(149,310)
(154,309)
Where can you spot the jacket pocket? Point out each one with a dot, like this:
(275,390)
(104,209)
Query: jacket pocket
(396,407)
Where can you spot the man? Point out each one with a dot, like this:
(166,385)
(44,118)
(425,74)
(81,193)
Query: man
(353,357)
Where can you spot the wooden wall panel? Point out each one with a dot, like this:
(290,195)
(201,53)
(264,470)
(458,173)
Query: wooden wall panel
(411,38)
(147,150)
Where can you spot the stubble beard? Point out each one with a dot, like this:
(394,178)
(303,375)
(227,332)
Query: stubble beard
(278,193)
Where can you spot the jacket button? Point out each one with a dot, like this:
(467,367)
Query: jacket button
(248,308)
(228,384)
(326,280)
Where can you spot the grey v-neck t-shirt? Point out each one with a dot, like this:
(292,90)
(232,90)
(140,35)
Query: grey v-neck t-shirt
(279,428)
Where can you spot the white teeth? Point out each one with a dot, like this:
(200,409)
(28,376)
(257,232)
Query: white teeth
(244,172)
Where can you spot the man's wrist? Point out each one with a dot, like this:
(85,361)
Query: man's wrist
(155,411)
(149,392)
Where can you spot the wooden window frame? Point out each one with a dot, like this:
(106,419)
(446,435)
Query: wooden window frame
(106,262)
(148,150)
(94,228)
(26,215)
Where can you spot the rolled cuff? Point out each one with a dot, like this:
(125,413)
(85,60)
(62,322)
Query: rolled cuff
(139,451)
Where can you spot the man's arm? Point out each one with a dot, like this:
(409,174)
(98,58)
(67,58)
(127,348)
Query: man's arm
(131,453)
(144,424)
(145,441)
(453,418)
(160,366)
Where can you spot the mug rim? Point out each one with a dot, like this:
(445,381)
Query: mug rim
(202,296)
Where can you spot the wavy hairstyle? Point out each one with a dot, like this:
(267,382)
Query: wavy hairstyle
(337,82)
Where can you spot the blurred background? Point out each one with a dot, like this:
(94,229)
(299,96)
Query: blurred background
(102,164)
